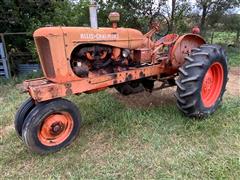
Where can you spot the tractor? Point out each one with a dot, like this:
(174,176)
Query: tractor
(78,60)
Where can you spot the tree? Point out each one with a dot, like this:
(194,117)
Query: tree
(232,23)
(214,9)
(172,14)
(19,15)
(177,12)
(134,13)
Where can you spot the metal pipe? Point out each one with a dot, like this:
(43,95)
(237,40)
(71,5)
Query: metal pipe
(93,14)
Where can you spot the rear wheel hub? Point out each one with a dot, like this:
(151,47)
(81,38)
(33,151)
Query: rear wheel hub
(212,84)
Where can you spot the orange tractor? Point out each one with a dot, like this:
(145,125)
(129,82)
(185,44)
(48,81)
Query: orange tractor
(79,60)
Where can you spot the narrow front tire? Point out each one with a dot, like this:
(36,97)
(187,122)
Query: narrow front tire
(51,126)
(21,115)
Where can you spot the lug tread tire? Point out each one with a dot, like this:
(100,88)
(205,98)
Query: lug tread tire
(38,114)
(191,74)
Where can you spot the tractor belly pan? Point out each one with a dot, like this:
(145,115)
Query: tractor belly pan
(41,89)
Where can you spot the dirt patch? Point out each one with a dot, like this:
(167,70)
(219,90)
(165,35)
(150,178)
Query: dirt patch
(98,147)
(166,96)
(146,99)
(233,85)
(5,130)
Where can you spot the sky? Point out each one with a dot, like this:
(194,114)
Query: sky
(236,10)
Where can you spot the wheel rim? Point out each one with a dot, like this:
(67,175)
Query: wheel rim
(55,129)
(212,84)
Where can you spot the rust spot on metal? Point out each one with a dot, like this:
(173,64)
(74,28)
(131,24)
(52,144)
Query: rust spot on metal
(68,92)
(142,74)
(38,93)
(53,91)
(129,77)
(68,88)
(115,82)
(113,76)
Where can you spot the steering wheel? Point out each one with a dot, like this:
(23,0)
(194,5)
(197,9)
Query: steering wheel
(162,22)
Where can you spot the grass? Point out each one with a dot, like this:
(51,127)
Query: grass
(233,56)
(225,39)
(118,141)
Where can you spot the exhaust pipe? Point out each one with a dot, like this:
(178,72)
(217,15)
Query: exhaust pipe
(93,14)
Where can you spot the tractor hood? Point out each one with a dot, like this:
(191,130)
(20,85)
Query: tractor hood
(55,45)
(73,36)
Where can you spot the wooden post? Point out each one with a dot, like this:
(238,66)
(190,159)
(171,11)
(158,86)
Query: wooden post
(5,61)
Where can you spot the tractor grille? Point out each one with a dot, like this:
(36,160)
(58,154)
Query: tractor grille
(44,53)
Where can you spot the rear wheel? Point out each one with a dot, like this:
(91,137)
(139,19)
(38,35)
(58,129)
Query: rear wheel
(202,81)
(51,126)
(21,115)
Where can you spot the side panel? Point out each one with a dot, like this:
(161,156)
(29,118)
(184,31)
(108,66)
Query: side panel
(117,37)
(55,45)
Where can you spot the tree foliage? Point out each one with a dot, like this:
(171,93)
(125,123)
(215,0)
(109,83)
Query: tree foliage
(213,10)
(134,13)
(28,15)
(232,23)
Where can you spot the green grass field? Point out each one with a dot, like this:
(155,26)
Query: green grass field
(129,142)
(129,138)
(233,56)
(225,39)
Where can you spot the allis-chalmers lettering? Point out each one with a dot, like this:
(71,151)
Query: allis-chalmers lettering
(99,36)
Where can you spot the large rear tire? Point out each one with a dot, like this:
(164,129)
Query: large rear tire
(202,81)
(51,126)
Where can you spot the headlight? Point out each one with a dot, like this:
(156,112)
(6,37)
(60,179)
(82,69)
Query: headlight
(125,53)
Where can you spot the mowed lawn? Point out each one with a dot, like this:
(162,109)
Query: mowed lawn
(121,140)
(141,136)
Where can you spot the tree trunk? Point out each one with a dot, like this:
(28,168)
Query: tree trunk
(203,18)
(172,15)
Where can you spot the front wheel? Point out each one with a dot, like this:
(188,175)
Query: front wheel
(202,81)
(51,126)
(21,115)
